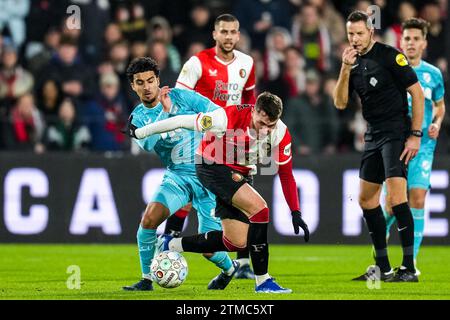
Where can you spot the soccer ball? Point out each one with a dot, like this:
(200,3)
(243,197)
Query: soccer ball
(169,269)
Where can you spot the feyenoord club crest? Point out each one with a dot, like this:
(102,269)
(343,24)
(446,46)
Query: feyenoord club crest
(237,177)
(242,73)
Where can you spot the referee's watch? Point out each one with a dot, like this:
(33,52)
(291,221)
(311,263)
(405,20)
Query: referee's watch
(416,133)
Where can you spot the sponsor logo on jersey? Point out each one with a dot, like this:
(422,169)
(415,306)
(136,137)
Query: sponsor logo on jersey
(212,72)
(242,73)
(401,60)
(426,77)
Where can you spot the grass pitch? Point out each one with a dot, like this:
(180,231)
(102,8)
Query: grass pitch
(312,271)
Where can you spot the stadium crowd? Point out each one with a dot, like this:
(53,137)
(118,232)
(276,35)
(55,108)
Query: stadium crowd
(63,85)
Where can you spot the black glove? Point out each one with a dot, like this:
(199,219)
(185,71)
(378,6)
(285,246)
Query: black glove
(298,222)
(130,129)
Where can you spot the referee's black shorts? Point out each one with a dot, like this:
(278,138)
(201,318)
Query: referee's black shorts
(224,182)
(381,157)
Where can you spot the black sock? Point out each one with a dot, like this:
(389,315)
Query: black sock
(259,248)
(376,223)
(405,225)
(243,254)
(174,225)
(204,243)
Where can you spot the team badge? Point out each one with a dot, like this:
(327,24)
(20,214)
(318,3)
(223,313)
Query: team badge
(242,73)
(237,177)
(206,122)
(427,77)
(287,150)
(401,60)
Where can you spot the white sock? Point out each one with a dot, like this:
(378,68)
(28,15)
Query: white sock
(261,279)
(230,271)
(243,261)
(146,276)
(175,245)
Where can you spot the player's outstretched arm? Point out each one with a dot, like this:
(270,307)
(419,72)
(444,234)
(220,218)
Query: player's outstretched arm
(439,113)
(215,121)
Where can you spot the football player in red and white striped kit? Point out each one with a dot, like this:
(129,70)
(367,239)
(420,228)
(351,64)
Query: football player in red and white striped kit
(226,76)
(236,139)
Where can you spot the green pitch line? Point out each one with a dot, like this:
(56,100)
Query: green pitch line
(312,271)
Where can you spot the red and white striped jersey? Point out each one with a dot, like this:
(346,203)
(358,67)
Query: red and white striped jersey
(238,146)
(222,82)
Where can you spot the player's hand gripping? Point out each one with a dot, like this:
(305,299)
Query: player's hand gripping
(412,146)
(433,131)
(130,129)
(165,99)
(298,222)
(349,56)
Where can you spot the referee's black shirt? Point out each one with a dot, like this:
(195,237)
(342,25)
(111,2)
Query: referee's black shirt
(380,77)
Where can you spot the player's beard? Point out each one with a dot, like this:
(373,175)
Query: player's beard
(224,50)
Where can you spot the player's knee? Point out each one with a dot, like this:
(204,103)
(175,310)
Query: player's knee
(235,243)
(149,220)
(367,202)
(416,202)
(396,199)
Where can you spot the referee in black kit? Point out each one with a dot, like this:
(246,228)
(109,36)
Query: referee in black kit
(381,76)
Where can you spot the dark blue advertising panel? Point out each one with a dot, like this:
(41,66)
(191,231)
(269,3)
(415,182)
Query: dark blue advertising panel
(97,198)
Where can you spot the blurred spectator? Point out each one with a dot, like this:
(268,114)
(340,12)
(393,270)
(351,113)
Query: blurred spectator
(159,29)
(14,79)
(313,39)
(278,39)
(67,69)
(245,43)
(138,49)
(49,97)
(332,19)
(257,17)
(66,134)
(158,51)
(436,48)
(12,17)
(193,49)
(112,35)
(393,34)
(130,17)
(198,29)
(43,16)
(49,49)
(107,115)
(293,74)
(312,119)
(26,126)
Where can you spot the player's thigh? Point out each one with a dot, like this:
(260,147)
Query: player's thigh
(369,194)
(371,168)
(419,175)
(173,192)
(248,200)
(204,202)
(154,215)
(391,151)
(235,231)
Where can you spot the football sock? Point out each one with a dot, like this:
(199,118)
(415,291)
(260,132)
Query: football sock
(243,257)
(260,279)
(174,224)
(259,248)
(419,225)
(376,224)
(223,261)
(146,239)
(205,242)
(405,225)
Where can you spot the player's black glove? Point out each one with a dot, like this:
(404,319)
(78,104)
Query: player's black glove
(298,222)
(130,129)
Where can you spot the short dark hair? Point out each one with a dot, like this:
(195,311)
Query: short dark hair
(416,23)
(358,15)
(225,17)
(271,104)
(142,64)
(68,41)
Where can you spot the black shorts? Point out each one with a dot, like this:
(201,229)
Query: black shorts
(381,157)
(224,182)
